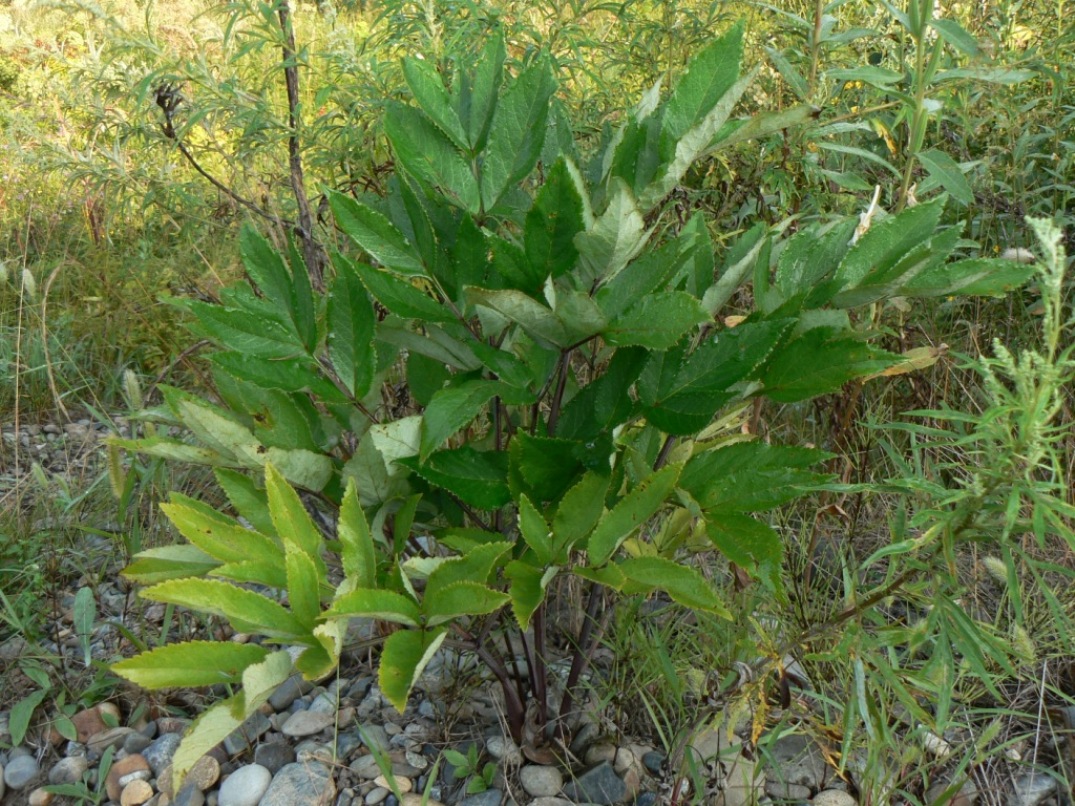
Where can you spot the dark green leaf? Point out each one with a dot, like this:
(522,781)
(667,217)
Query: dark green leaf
(657,321)
(683,583)
(820,361)
(398,295)
(551,226)
(451,409)
(631,512)
(428,89)
(351,321)
(430,156)
(477,478)
(376,235)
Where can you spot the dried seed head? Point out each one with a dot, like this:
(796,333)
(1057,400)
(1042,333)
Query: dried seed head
(29,285)
(1018,254)
(996,568)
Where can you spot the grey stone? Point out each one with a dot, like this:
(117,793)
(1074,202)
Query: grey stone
(652,761)
(241,739)
(833,797)
(324,703)
(301,785)
(68,770)
(490,797)
(136,743)
(781,790)
(189,795)
(306,723)
(365,767)
(274,755)
(550,802)
(504,750)
(376,795)
(346,744)
(374,737)
(245,786)
(289,691)
(541,781)
(1031,789)
(160,752)
(742,785)
(20,771)
(314,751)
(796,760)
(113,737)
(646,799)
(3,786)
(598,785)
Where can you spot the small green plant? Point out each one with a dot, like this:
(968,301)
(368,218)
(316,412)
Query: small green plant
(479,777)
(519,378)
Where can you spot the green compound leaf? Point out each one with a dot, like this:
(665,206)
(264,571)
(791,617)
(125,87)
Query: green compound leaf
(190,664)
(551,226)
(376,235)
(403,658)
(750,544)
(351,321)
(215,534)
(529,584)
(657,321)
(683,583)
(357,552)
(461,599)
(477,478)
(293,523)
(430,156)
(631,512)
(379,604)
(451,409)
(169,562)
(245,610)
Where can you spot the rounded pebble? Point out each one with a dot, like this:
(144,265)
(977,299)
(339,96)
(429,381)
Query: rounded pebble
(833,797)
(136,793)
(204,773)
(245,786)
(307,723)
(541,782)
(39,797)
(68,770)
(20,771)
(376,795)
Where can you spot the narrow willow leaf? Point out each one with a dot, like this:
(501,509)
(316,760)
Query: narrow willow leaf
(948,174)
(376,235)
(404,656)
(377,604)
(451,409)
(351,321)
(631,512)
(293,523)
(246,610)
(683,583)
(461,599)
(357,551)
(190,664)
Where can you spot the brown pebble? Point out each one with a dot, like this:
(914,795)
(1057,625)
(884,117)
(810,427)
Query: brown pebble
(127,769)
(39,797)
(164,782)
(204,773)
(113,737)
(88,723)
(136,793)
